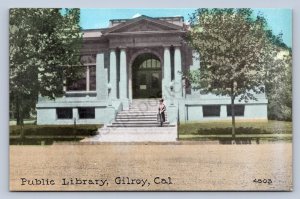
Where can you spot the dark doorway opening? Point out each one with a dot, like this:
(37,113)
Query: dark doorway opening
(146,76)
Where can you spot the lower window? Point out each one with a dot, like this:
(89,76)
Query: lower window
(211,111)
(239,110)
(64,113)
(86,113)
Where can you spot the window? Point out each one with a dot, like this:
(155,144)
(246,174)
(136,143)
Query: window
(239,110)
(86,113)
(82,83)
(92,78)
(64,113)
(78,84)
(150,64)
(211,111)
(147,61)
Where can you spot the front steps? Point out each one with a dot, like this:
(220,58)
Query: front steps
(138,124)
(141,113)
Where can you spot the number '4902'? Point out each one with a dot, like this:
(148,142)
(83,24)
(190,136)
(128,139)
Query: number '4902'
(264,181)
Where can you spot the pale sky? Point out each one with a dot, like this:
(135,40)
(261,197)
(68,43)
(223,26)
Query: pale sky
(279,20)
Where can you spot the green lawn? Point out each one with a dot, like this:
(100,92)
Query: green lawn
(270,130)
(53,130)
(224,128)
(47,134)
(37,134)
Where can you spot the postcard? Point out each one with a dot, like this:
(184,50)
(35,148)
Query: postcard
(194,99)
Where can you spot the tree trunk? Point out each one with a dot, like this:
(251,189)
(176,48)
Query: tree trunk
(233,118)
(19,112)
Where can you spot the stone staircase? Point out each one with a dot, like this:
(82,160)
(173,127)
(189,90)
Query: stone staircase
(138,124)
(141,113)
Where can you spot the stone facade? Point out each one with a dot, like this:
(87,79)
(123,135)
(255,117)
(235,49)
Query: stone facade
(139,58)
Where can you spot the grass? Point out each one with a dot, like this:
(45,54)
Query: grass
(47,134)
(242,128)
(245,131)
(54,130)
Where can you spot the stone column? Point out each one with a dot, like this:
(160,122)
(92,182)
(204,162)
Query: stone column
(177,73)
(101,78)
(113,73)
(167,73)
(130,83)
(123,89)
(123,74)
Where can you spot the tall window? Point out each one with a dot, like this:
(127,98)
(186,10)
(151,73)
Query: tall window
(211,111)
(92,73)
(86,80)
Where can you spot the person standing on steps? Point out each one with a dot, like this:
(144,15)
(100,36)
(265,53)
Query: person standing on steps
(161,111)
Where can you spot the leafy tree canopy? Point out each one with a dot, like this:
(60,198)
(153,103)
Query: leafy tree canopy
(44,47)
(235,49)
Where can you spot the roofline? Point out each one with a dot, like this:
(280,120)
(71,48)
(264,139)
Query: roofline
(126,19)
(147,33)
(142,17)
(93,29)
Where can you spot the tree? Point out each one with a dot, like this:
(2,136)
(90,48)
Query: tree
(44,47)
(279,90)
(235,52)
(278,80)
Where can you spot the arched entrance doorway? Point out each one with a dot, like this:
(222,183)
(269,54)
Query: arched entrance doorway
(146,76)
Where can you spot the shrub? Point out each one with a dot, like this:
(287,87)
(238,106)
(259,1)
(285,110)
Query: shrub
(225,131)
(34,130)
(224,128)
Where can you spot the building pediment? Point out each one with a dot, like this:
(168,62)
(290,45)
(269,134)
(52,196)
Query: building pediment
(143,24)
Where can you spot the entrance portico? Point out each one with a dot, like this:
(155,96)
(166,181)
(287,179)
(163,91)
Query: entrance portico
(145,73)
(145,59)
